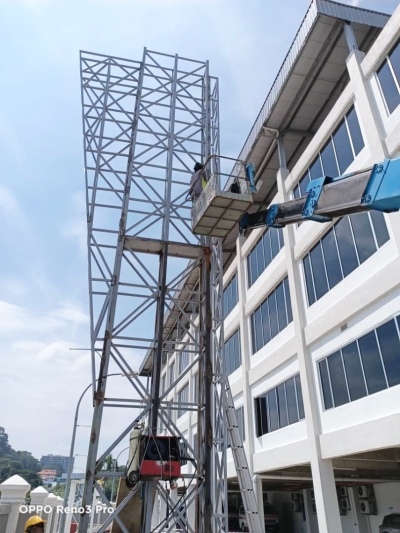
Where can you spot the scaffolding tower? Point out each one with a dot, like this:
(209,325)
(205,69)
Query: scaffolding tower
(152,282)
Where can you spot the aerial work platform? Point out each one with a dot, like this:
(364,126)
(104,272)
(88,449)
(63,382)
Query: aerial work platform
(217,211)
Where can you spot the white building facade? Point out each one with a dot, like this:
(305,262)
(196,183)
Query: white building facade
(312,328)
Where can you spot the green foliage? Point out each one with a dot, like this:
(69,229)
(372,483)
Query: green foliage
(58,490)
(17,462)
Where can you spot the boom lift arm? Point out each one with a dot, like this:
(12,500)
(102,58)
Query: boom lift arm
(372,189)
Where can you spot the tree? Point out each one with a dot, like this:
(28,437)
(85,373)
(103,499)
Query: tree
(14,462)
(58,490)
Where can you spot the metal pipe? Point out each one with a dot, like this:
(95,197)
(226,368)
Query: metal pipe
(71,457)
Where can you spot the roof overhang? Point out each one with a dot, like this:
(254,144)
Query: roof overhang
(309,82)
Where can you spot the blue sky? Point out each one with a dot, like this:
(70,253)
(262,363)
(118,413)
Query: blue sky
(43,274)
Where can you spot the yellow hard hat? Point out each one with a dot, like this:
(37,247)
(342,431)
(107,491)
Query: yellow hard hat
(33,521)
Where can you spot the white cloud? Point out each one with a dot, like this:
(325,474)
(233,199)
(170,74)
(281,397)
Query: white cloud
(75,228)
(11,212)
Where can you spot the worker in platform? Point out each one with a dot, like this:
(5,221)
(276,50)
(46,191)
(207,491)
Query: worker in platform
(198,181)
(34,524)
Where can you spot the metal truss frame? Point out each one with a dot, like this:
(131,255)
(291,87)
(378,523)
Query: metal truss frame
(145,124)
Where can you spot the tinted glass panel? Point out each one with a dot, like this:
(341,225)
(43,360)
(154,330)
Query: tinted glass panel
(343,149)
(329,161)
(316,169)
(252,267)
(262,415)
(389,87)
(326,388)
(274,242)
(265,320)
(273,317)
(363,236)
(299,397)
(318,269)
(304,181)
(355,131)
(283,414)
(331,259)
(394,57)
(380,228)
(291,401)
(288,300)
(355,378)
(257,334)
(280,300)
(390,348)
(260,259)
(309,280)
(267,246)
(338,381)
(346,246)
(273,411)
(372,363)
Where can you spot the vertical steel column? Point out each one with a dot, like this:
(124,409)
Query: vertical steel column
(113,293)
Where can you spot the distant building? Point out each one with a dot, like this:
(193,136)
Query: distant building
(57,462)
(48,476)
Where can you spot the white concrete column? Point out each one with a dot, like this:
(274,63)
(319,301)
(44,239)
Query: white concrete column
(367,111)
(13,492)
(71,500)
(322,469)
(38,497)
(258,489)
(369,117)
(51,501)
(56,514)
(245,353)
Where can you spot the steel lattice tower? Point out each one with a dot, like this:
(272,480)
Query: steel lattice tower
(151,281)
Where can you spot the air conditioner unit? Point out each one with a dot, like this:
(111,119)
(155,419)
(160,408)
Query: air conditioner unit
(345,504)
(295,506)
(364,491)
(314,508)
(295,496)
(343,493)
(312,494)
(367,507)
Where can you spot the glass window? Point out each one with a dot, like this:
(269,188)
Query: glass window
(380,228)
(363,236)
(372,363)
(355,131)
(271,317)
(282,407)
(299,394)
(265,322)
(389,87)
(338,380)
(309,280)
(293,414)
(273,417)
(359,368)
(171,373)
(326,388)
(331,257)
(354,373)
(394,58)
(281,306)
(183,397)
(279,407)
(183,360)
(390,348)
(263,253)
(329,161)
(348,256)
(288,300)
(233,358)
(344,153)
(230,296)
(195,383)
(316,169)
(318,268)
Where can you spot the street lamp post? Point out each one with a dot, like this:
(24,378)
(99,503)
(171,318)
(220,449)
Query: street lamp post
(115,466)
(71,456)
